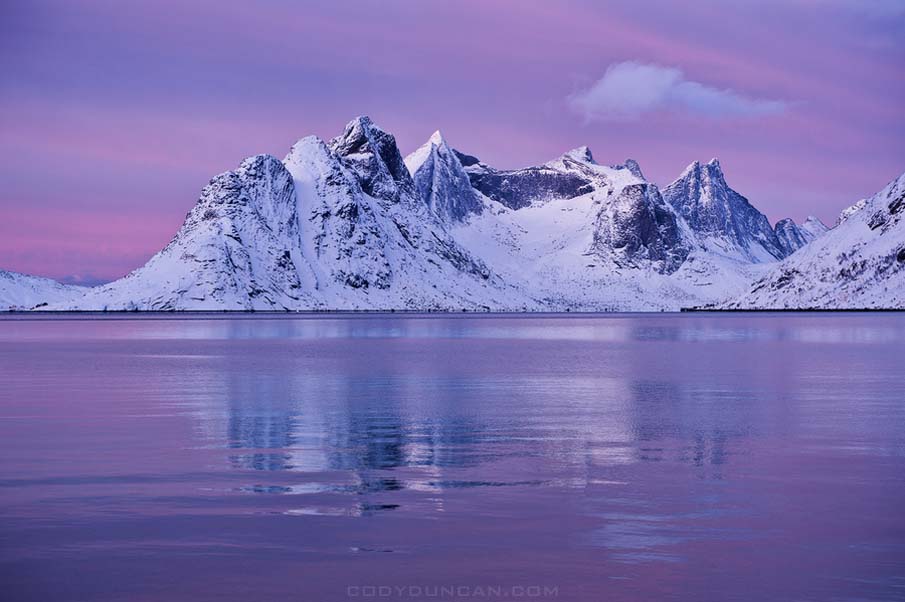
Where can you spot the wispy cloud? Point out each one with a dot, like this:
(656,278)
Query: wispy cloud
(630,89)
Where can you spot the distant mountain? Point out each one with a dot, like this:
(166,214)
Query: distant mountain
(792,237)
(21,291)
(720,216)
(858,264)
(350,224)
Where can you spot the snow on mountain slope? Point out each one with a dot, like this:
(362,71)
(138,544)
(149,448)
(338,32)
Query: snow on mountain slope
(792,237)
(521,187)
(634,226)
(617,246)
(813,227)
(345,225)
(441,180)
(849,211)
(430,268)
(21,291)
(858,264)
(388,251)
(722,218)
(338,226)
(234,251)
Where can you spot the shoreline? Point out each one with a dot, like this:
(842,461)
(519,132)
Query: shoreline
(11,315)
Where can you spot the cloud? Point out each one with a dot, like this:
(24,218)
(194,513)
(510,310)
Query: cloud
(629,89)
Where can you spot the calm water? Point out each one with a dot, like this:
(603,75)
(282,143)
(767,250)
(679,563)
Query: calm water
(736,457)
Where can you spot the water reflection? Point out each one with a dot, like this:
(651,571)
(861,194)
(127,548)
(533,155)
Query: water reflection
(579,449)
(377,417)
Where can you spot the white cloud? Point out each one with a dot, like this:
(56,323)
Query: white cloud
(630,89)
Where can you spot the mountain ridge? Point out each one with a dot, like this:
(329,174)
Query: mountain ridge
(350,224)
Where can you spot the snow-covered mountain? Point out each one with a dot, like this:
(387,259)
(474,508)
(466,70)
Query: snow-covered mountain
(333,226)
(442,182)
(579,235)
(792,237)
(21,291)
(858,264)
(350,224)
(234,250)
(721,217)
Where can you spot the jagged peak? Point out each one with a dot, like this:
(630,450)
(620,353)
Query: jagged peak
(712,170)
(811,224)
(357,133)
(362,121)
(784,222)
(257,161)
(371,153)
(634,168)
(581,153)
(415,160)
(693,168)
(814,225)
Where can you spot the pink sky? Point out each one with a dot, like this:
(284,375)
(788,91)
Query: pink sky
(114,115)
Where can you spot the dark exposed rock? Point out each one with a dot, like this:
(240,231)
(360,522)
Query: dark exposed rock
(634,168)
(373,156)
(466,160)
(712,209)
(441,181)
(519,188)
(641,227)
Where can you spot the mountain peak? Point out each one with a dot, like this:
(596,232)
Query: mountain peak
(634,168)
(715,171)
(362,121)
(716,211)
(693,168)
(581,153)
(812,220)
(441,181)
(813,226)
(373,156)
(711,171)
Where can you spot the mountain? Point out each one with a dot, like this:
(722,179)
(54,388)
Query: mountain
(338,226)
(858,264)
(583,236)
(812,228)
(21,291)
(722,218)
(792,237)
(350,224)
(520,188)
(849,211)
(441,180)
(234,250)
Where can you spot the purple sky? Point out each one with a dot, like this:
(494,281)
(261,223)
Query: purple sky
(113,115)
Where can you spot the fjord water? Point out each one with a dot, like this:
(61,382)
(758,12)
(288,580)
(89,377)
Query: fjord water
(623,457)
